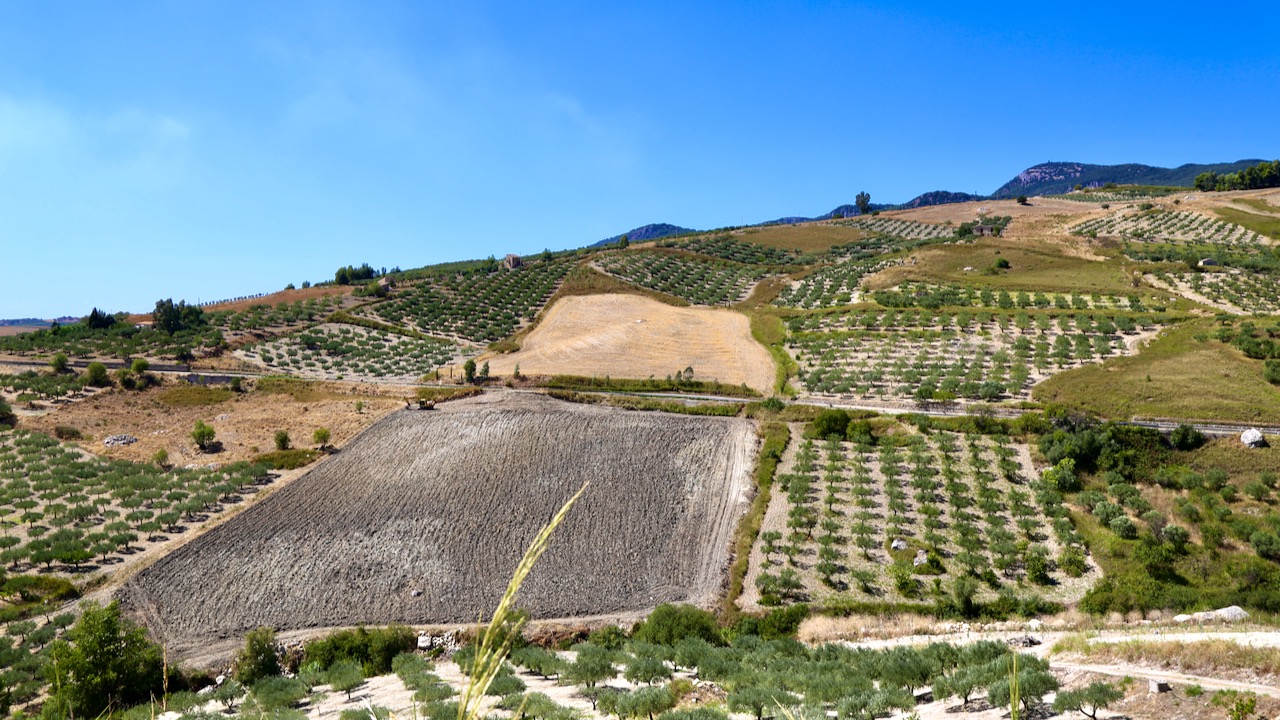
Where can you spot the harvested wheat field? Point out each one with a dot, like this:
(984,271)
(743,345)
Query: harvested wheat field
(629,336)
(424,516)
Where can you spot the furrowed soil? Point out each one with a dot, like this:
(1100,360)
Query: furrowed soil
(423,517)
(629,336)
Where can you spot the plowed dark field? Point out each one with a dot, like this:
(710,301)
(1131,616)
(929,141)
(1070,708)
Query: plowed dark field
(423,517)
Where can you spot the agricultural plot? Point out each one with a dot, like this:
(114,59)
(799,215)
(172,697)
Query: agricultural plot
(832,285)
(1172,225)
(123,340)
(422,518)
(63,509)
(927,295)
(1245,292)
(860,522)
(701,281)
(930,355)
(349,352)
(726,248)
(31,385)
(281,316)
(630,336)
(477,306)
(906,229)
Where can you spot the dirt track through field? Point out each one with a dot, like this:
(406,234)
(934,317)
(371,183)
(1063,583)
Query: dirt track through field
(629,336)
(423,517)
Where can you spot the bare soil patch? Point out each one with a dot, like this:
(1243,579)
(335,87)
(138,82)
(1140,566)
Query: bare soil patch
(422,518)
(628,336)
(244,422)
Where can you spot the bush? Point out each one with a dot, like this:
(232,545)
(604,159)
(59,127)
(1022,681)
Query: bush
(282,440)
(373,649)
(258,658)
(1072,561)
(7,418)
(1186,437)
(96,375)
(1271,371)
(1267,544)
(66,432)
(105,662)
(829,423)
(278,692)
(1123,527)
(669,624)
(202,435)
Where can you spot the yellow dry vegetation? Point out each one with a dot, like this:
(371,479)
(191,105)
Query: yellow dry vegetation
(630,336)
(807,237)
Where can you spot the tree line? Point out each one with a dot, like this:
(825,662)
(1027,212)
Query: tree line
(1263,175)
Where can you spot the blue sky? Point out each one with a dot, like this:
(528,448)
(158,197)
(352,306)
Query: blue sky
(206,150)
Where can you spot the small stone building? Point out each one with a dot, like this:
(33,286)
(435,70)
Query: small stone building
(511,262)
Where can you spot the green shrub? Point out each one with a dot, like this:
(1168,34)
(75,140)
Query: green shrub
(278,692)
(96,375)
(373,649)
(287,459)
(829,423)
(669,624)
(66,432)
(1072,561)
(258,658)
(1271,371)
(1186,437)
(1123,527)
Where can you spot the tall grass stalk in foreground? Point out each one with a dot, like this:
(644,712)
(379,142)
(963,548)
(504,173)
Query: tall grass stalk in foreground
(496,640)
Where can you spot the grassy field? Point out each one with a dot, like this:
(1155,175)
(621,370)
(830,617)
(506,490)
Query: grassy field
(1032,267)
(805,238)
(1261,224)
(1175,376)
(1258,204)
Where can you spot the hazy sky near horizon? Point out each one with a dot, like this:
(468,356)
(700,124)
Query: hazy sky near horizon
(205,150)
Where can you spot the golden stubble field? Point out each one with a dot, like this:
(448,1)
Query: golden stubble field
(629,336)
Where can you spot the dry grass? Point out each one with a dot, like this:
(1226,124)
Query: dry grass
(194,396)
(965,212)
(806,237)
(630,336)
(274,298)
(421,519)
(245,423)
(825,628)
(10,330)
(1203,657)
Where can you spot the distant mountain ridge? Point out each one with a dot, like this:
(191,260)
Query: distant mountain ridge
(653,231)
(1049,178)
(1052,178)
